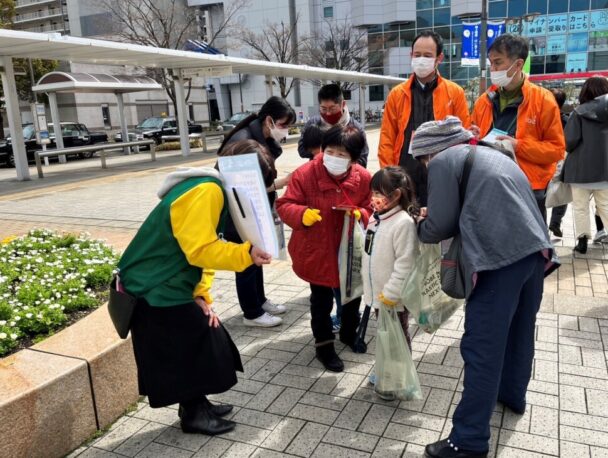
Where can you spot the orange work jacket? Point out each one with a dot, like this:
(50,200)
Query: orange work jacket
(540,136)
(448,99)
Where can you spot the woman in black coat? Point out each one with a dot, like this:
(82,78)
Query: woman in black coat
(268,127)
(586,166)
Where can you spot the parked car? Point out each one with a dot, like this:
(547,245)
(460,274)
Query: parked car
(231,122)
(73,133)
(155,128)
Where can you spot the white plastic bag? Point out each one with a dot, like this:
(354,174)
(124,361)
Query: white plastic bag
(350,256)
(422,294)
(395,368)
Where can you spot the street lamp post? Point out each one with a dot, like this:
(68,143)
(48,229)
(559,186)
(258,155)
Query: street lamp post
(483,49)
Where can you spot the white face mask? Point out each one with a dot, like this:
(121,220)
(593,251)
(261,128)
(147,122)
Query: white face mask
(277,133)
(423,66)
(336,165)
(500,78)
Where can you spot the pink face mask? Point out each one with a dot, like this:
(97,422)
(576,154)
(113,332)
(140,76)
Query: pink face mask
(379,204)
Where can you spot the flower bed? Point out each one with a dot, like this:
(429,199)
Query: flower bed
(45,279)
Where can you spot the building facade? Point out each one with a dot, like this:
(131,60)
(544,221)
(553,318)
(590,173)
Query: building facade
(90,19)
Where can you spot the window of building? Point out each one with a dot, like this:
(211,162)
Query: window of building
(537,6)
(391,40)
(457,32)
(444,69)
(579,5)
(424,19)
(376,93)
(347,93)
(598,60)
(556,63)
(344,44)
(424,4)
(330,62)
(498,9)
(599,4)
(442,3)
(444,32)
(329,45)
(598,41)
(328,11)
(456,20)
(376,59)
(517,9)
(441,17)
(558,6)
(537,65)
(191,111)
(406,37)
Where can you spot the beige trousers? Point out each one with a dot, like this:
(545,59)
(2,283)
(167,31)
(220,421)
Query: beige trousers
(580,206)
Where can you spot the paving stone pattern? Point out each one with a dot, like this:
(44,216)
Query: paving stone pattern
(286,404)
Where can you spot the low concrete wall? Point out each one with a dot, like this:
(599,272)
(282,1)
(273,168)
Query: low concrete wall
(56,394)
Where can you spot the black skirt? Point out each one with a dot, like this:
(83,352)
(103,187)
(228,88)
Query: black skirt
(179,357)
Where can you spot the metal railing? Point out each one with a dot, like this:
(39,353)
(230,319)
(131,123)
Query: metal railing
(102,148)
(46,28)
(38,15)
(24,3)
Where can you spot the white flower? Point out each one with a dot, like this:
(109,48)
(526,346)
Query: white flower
(14,336)
(3,335)
(2,322)
(28,315)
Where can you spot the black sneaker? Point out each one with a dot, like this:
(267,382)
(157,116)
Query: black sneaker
(557,231)
(445,449)
(329,358)
(581,246)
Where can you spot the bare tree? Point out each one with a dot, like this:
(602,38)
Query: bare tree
(274,44)
(339,45)
(163,24)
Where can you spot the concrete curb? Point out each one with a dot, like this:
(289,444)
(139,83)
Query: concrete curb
(56,394)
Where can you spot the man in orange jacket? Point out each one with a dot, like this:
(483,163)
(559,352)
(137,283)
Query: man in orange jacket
(425,96)
(521,113)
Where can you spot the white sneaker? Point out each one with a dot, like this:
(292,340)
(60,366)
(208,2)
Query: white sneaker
(265,321)
(600,236)
(273,309)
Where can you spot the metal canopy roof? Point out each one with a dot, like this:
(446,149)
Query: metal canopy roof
(61,47)
(94,82)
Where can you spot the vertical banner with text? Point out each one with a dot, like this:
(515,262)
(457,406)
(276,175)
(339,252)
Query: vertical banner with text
(471,32)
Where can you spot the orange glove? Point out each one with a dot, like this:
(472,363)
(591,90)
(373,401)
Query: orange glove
(311,216)
(386,301)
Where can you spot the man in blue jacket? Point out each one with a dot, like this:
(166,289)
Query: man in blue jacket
(333,112)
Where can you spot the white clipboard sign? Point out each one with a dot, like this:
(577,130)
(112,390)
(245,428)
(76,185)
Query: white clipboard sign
(248,201)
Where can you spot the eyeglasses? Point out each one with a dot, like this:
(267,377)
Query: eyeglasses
(330,110)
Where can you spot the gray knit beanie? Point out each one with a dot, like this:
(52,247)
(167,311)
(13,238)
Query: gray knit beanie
(435,136)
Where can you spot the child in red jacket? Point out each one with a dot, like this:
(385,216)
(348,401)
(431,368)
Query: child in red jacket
(332,180)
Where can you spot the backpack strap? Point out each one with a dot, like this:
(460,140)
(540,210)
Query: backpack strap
(466,171)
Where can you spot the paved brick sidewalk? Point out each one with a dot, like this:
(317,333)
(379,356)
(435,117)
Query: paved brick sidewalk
(287,405)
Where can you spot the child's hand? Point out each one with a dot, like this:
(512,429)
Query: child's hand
(387,302)
(311,216)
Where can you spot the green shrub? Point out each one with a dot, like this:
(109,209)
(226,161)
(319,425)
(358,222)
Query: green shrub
(45,276)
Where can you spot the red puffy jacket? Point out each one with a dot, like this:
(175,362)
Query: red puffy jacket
(314,249)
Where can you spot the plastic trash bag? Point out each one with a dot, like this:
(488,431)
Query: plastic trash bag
(350,255)
(422,294)
(395,369)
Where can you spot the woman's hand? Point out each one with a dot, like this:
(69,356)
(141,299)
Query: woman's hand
(214,320)
(259,256)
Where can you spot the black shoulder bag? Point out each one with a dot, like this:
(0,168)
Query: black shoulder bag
(454,281)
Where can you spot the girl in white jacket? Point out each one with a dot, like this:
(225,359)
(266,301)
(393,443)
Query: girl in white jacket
(391,243)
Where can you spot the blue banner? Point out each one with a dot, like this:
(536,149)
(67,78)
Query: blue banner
(470,40)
